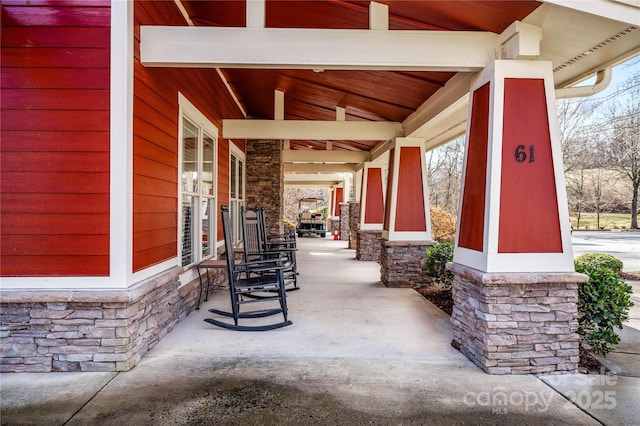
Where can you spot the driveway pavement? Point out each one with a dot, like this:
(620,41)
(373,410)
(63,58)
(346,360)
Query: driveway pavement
(625,245)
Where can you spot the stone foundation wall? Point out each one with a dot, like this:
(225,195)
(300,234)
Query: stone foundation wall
(368,245)
(354,221)
(517,323)
(401,263)
(344,222)
(44,331)
(265,181)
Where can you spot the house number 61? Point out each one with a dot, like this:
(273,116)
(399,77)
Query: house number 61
(521,154)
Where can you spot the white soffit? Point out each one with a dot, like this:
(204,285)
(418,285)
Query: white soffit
(627,11)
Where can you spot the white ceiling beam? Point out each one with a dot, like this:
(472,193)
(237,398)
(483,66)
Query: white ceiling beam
(319,168)
(309,129)
(305,184)
(314,177)
(317,156)
(435,114)
(277,48)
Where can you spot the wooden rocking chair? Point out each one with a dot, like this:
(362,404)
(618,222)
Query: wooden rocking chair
(248,279)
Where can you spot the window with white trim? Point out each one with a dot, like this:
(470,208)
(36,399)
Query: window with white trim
(236,190)
(198,142)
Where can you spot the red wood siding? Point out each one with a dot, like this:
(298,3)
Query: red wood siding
(155,140)
(55,138)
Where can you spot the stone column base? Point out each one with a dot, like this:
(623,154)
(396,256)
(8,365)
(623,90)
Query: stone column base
(344,221)
(401,263)
(368,245)
(516,323)
(354,219)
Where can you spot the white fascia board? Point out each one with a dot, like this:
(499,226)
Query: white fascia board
(277,48)
(309,129)
(318,156)
(319,168)
(617,10)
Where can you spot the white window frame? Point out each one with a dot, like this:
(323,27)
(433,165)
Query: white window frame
(234,151)
(190,112)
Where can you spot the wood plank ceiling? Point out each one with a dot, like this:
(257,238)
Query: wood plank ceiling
(365,95)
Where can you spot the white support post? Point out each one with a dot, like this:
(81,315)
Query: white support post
(378,16)
(255,13)
(278,105)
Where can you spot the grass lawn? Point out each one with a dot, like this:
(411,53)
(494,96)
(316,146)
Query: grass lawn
(607,221)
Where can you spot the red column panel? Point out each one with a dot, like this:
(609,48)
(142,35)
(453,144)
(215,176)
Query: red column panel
(529,221)
(475,181)
(336,206)
(374,212)
(387,210)
(410,214)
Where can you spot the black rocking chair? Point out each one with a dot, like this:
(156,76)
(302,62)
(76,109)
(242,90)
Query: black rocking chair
(247,279)
(256,247)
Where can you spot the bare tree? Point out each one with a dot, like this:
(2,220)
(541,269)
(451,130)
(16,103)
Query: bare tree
(444,174)
(623,125)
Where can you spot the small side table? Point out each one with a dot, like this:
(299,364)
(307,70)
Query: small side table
(206,265)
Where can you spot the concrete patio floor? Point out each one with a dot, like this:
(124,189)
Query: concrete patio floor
(357,353)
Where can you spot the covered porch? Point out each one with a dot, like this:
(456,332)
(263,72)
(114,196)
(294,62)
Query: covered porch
(357,352)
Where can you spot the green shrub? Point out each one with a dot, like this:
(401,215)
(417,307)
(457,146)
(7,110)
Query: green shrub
(435,262)
(603,303)
(598,261)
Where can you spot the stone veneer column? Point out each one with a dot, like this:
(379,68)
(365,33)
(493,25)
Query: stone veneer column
(401,263)
(354,218)
(344,222)
(265,181)
(516,323)
(406,232)
(368,245)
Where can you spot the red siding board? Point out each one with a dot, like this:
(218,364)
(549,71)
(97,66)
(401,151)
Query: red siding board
(144,222)
(55,161)
(55,99)
(38,224)
(53,182)
(81,265)
(152,169)
(154,204)
(56,16)
(55,78)
(145,258)
(37,57)
(54,141)
(40,203)
(55,120)
(150,186)
(55,37)
(54,245)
